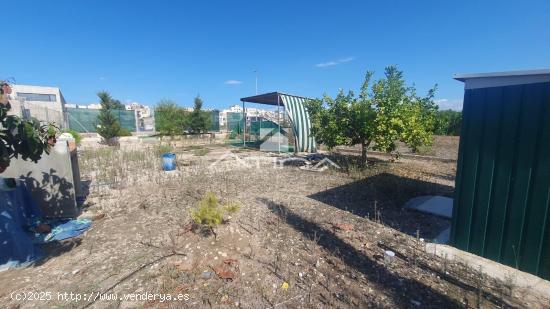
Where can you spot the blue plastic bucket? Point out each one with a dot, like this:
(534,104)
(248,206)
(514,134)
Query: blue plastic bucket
(168,161)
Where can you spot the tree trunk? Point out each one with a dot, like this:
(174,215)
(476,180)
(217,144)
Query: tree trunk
(363,153)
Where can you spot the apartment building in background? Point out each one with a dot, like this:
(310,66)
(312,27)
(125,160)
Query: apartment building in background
(46,104)
(234,113)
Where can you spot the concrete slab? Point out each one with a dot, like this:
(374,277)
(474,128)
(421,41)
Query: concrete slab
(493,269)
(436,205)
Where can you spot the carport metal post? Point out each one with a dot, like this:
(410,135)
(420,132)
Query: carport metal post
(244,126)
(279,122)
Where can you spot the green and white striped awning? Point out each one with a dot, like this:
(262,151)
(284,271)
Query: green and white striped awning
(296,112)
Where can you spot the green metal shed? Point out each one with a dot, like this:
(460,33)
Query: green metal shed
(502,195)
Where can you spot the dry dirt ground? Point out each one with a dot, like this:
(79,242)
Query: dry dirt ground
(444,147)
(300,239)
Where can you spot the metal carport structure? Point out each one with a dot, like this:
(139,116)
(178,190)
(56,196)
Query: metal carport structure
(295,110)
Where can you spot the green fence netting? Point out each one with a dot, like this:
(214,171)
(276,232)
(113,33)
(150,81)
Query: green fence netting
(215,124)
(85,120)
(256,126)
(235,122)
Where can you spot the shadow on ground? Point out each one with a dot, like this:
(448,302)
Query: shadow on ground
(85,185)
(54,249)
(381,197)
(401,290)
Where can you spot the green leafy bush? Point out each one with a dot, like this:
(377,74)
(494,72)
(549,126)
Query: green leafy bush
(448,122)
(21,138)
(170,119)
(75,134)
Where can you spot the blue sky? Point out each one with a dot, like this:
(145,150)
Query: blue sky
(145,51)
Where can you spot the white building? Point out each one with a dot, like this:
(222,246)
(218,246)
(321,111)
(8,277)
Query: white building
(46,104)
(89,106)
(251,113)
(145,119)
(143,111)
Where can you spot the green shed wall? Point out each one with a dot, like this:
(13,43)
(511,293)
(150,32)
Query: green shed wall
(502,196)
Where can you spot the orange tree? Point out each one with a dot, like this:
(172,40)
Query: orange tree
(385,112)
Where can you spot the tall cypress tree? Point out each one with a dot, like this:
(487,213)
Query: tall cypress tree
(199,120)
(109,126)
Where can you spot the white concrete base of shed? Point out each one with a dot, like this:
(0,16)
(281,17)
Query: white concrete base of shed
(435,205)
(493,269)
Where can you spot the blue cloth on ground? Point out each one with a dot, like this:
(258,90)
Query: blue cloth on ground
(63,229)
(18,213)
(18,217)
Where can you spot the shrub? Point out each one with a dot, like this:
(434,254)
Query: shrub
(448,122)
(124,132)
(75,134)
(170,119)
(208,212)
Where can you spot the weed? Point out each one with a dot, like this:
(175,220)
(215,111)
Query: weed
(479,279)
(161,149)
(509,283)
(171,272)
(424,150)
(232,207)
(201,152)
(194,147)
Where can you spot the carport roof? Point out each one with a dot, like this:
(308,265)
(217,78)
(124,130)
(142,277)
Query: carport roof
(270,98)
